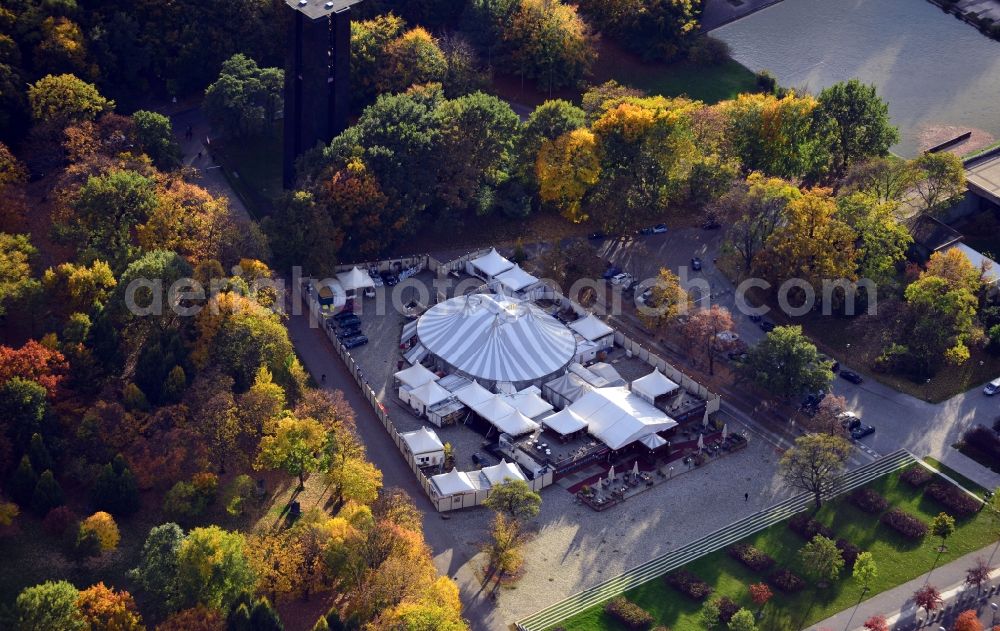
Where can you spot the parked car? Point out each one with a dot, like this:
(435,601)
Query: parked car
(645,231)
(660,228)
(696,264)
(343,334)
(728,336)
(862,430)
(992,387)
(596,236)
(644,296)
(349,322)
(478,460)
(345,313)
(851,376)
(766,326)
(611,272)
(390,279)
(624,280)
(354,342)
(812,400)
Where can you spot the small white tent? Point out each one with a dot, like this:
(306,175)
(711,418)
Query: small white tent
(516,279)
(593,329)
(426,396)
(489,266)
(354,280)
(454,482)
(415,376)
(425,446)
(501,473)
(653,385)
(564,422)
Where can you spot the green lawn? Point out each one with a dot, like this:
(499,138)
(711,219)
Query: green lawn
(955,475)
(253,167)
(710,84)
(899,560)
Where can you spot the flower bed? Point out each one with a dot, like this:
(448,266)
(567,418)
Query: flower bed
(916,475)
(751,557)
(905,524)
(631,615)
(688,584)
(806,527)
(786,581)
(957,501)
(868,500)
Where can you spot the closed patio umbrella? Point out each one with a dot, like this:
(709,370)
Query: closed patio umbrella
(725,431)
(611,473)
(704,421)
(635,469)
(701,442)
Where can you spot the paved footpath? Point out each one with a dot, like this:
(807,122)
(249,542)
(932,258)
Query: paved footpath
(897,604)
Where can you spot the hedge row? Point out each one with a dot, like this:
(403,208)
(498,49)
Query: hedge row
(869,500)
(688,584)
(905,524)
(631,615)
(957,501)
(753,558)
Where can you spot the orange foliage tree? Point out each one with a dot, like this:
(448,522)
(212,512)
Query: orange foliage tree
(105,609)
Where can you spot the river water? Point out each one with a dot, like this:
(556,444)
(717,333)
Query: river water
(940,76)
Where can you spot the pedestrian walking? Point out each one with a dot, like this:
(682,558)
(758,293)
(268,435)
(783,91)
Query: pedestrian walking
(323,378)
(746,497)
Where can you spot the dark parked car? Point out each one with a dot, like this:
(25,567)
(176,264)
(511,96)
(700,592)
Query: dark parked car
(354,342)
(349,322)
(861,430)
(645,231)
(389,279)
(343,334)
(738,356)
(812,400)
(346,313)
(696,264)
(766,326)
(851,376)
(611,272)
(596,236)
(478,460)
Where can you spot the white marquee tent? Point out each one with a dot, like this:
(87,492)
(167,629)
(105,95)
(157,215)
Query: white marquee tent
(473,395)
(489,266)
(415,376)
(564,422)
(593,329)
(528,402)
(501,473)
(618,418)
(516,279)
(454,482)
(504,417)
(653,385)
(355,280)
(426,396)
(425,446)
(564,390)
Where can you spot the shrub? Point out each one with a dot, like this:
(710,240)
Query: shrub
(849,552)
(709,51)
(786,581)
(869,500)
(59,520)
(751,557)
(628,613)
(916,475)
(727,609)
(806,527)
(956,500)
(982,440)
(688,584)
(905,524)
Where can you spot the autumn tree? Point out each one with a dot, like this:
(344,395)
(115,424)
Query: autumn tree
(515,500)
(786,364)
(503,550)
(105,609)
(667,300)
(760,594)
(821,559)
(940,180)
(547,122)
(703,328)
(212,568)
(943,526)
(815,463)
(104,528)
(876,623)
(927,598)
(547,42)
(755,208)
(73,287)
(979,574)
(297,446)
(828,418)
(566,169)
(352,477)
(882,240)
(261,405)
(968,620)
(190,221)
(59,100)
(16,281)
(51,605)
(369,40)
(197,618)
(211,394)
(413,57)
(277,560)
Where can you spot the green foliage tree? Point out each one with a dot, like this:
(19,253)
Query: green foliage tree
(60,100)
(49,606)
(245,97)
(515,500)
(743,620)
(239,495)
(16,282)
(756,209)
(301,232)
(115,489)
(41,459)
(655,29)
(865,570)
(548,121)
(883,240)
(821,559)
(815,463)
(22,482)
(109,207)
(413,57)
(263,617)
(212,568)
(547,42)
(940,180)
(47,494)
(157,571)
(861,127)
(787,364)
(156,138)
(943,526)
(297,446)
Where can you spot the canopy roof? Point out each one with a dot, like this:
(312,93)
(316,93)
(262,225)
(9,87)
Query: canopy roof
(474,394)
(492,263)
(496,338)
(516,279)
(617,417)
(516,424)
(654,384)
(528,402)
(564,422)
(422,441)
(569,386)
(453,483)
(591,328)
(415,376)
(503,472)
(430,394)
(607,372)
(355,279)
(653,441)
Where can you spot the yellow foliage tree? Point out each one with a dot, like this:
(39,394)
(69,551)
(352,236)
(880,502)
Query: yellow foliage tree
(667,300)
(104,528)
(567,168)
(188,220)
(105,609)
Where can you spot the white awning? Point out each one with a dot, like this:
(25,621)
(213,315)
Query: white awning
(617,417)
(492,263)
(591,328)
(355,279)
(422,441)
(409,330)
(564,422)
(415,376)
(652,441)
(453,483)
(493,409)
(516,424)
(653,385)
(473,395)
(429,394)
(516,279)
(528,402)
(503,472)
